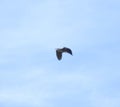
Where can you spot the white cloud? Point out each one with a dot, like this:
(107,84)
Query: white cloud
(33,85)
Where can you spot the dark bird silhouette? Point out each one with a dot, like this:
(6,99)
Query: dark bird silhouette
(59,52)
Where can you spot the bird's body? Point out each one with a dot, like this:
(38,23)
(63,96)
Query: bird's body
(59,52)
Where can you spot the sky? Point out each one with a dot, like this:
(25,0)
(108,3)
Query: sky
(31,75)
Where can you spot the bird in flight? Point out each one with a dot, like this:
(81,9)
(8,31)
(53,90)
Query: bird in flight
(59,52)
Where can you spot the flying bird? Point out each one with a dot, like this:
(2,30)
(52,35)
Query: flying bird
(59,52)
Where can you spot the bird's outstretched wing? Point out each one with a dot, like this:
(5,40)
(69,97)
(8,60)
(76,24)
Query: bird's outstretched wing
(68,50)
(59,55)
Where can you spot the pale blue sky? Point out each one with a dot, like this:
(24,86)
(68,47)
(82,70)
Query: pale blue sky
(31,75)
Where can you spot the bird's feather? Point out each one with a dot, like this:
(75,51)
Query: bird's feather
(67,50)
